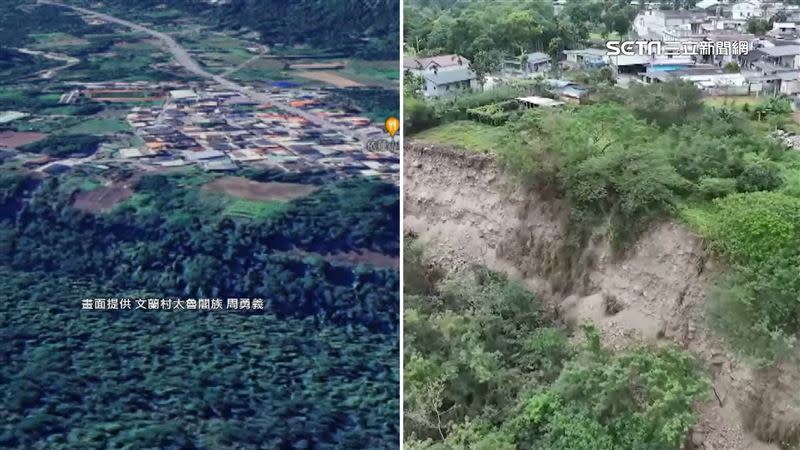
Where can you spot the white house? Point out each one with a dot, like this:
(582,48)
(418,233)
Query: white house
(442,74)
(746,9)
(656,24)
(587,57)
(783,28)
(533,63)
(787,56)
(708,4)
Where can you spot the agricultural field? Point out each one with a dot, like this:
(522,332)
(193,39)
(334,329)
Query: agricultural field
(121,62)
(96,199)
(217,51)
(14,139)
(58,40)
(99,127)
(328,77)
(245,189)
(372,73)
(254,210)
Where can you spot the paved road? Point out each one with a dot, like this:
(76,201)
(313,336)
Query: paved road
(185,59)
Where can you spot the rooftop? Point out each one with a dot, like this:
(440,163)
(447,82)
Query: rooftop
(539,101)
(693,15)
(782,50)
(587,51)
(441,61)
(538,56)
(450,76)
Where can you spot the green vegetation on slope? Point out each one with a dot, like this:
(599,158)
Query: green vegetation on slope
(486,368)
(367,30)
(469,28)
(636,156)
(467,134)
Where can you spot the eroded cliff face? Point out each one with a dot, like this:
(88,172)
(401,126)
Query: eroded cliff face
(468,212)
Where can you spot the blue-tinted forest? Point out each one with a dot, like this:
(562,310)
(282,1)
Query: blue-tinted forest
(317,368)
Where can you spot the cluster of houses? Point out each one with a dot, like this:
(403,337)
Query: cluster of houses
(221,130)
(765,64)
(770,63)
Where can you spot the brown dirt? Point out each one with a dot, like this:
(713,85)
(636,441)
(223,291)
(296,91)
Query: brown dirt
(14,139)
(253,190)
(103,199)
(330,78)
(467,212)
(319,66)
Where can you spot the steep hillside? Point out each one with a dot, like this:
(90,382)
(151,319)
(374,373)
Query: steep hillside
(468,212)
(367,29)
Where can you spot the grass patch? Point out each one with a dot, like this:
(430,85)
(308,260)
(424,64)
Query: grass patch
(254,210)
(733,102)
(698,216)
(467,134)
(379,73)
(99,127)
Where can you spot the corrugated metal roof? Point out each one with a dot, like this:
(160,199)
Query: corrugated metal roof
(450,76)
(782,50)
(441,61)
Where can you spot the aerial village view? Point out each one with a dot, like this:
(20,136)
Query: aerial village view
(211,122)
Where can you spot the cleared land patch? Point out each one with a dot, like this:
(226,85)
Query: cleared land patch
(329,77)
(14,139)
(319,66)
(103,199)
(245,189)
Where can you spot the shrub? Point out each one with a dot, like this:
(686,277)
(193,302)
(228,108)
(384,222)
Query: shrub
(419,115)
(735,310)
(665,104)
(711,187)
(775,106)
(759,175)
(640,396)
(757,308)
(732,67)
(65,145)
(752,228)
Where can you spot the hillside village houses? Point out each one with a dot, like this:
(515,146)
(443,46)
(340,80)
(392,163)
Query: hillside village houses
(733,61)
(443,74)
(770,65)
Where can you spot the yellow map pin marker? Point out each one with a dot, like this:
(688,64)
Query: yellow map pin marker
(392,126)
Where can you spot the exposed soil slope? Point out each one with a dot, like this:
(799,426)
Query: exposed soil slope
(468,212)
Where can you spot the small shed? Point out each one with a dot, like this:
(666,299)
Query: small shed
(538,102)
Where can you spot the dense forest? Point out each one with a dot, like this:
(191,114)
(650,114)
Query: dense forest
(329,332)
(371,29)
(487,367)
(185,253)
(17,23)
(368,30)
(184,379)
(481,28)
